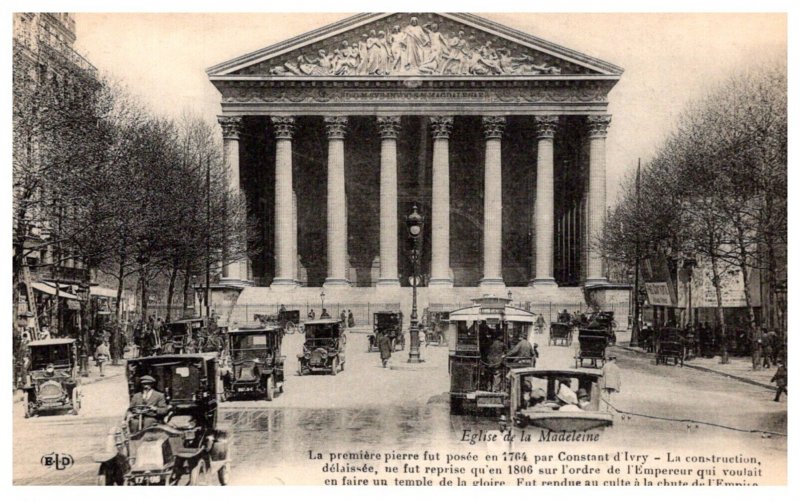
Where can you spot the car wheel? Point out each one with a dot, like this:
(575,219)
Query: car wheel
(269,395)
(224,475)
(456,406)
(76,401)
(289,328)
(199,475)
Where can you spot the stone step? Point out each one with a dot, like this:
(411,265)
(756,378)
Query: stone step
(365,301)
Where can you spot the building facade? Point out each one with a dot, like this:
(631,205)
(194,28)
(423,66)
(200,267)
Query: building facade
(498,137)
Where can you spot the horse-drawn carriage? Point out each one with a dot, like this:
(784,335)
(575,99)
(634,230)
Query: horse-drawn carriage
(670,346)
(592,345)
(388,323)
(560,334)
(289,320)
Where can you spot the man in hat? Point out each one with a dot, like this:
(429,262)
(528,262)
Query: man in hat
(583,399)
(151,398)
(522,352)
(385,348)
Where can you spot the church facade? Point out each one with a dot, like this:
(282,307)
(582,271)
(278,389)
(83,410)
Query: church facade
(496,135)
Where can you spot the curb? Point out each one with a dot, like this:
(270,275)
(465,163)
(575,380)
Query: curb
(709,370)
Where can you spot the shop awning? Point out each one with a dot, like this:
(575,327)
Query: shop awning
(102,291)
(50,290)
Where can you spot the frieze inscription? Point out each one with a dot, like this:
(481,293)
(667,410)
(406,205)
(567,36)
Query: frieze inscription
(588,94)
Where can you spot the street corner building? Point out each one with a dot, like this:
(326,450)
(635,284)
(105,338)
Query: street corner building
(498,137)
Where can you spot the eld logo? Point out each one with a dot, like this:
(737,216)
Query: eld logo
(59,461)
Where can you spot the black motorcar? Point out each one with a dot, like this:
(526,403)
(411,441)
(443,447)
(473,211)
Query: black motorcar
(52,382)
(254,365)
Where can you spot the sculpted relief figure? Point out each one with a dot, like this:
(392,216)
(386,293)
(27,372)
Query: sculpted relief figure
(415,50)
(416,44)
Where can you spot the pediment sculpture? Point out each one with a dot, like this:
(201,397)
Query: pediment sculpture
(416,49)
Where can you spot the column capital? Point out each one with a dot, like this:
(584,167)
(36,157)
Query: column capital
(546,126)
(336,126)
(493,126)
(441,126)
(389,126)
(284,127)
(598,125)
(231,126)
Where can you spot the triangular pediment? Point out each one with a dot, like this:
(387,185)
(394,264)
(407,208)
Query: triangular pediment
(409,44)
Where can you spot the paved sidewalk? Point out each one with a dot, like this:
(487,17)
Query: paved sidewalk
(740,368)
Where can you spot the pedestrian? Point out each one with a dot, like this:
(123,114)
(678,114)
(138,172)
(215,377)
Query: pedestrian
(766,349)
(350,319)
(324,314)
(756,344)
(101,355)
(343,317)
(385,348)
(780,379)
(612,381)
(540,324)
(44,333)
(311,314)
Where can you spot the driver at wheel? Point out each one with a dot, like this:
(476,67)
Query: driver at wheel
(149,397)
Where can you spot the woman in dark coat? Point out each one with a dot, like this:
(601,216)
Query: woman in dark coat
(385,346)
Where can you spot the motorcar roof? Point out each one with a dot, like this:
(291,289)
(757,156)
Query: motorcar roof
(51,341)
(205,356)
(566,372)
(184,321)
(247,330)
(322,321)
(395,312)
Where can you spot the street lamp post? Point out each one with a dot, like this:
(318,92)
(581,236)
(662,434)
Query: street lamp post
(414,225)
(322,302)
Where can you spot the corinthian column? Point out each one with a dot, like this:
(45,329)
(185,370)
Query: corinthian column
(597,129)
(284,219)
(545,131)
(389,128)
(335,127)
(493,203)
(236,272)
(440,208)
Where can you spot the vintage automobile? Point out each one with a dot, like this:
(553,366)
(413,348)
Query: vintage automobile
(182,446)
(533,399)
(389,323)
(324,347)
(560,334)
(436,327)
(254,366)
(592,344)
(183,336)
(52,382)
(670,346)
(477,383)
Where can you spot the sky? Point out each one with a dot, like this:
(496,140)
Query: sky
(669,59)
